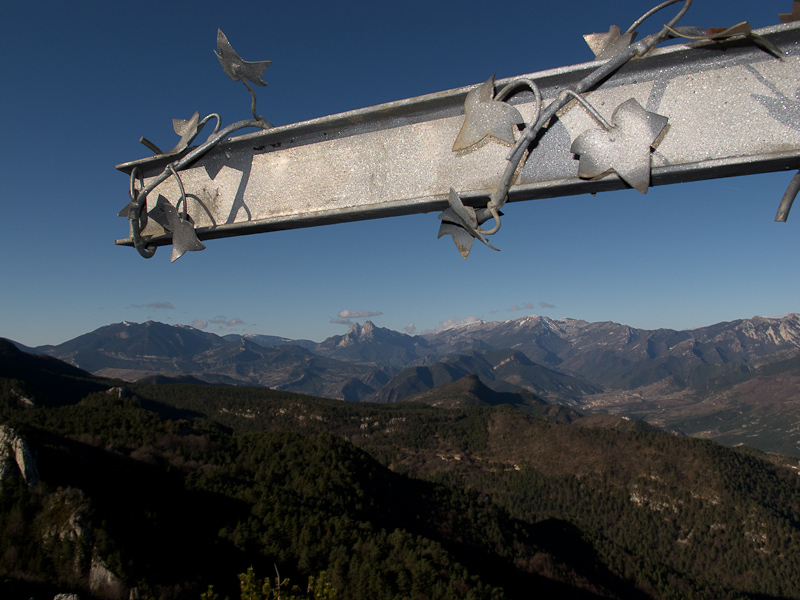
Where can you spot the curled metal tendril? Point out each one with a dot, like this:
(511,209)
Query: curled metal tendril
(138,220)
(135,174)
(208,118)
(592,110)
(264,124)
(513,160)
(182,199)
(658,8)
(788,199)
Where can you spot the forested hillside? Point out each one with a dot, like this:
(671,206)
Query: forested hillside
(160,491)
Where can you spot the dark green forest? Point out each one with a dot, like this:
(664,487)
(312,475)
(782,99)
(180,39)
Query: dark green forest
(171,489)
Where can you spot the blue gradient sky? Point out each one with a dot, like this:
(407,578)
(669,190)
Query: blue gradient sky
(82,81)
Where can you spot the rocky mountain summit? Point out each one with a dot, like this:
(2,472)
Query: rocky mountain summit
(376,345)
(617,355)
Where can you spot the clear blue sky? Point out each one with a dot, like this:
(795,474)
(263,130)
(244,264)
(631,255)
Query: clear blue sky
(82,81)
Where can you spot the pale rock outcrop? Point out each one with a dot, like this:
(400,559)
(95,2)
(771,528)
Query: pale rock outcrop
(103,582)
(22,399)
(16,456)
(64,524)
(118,392)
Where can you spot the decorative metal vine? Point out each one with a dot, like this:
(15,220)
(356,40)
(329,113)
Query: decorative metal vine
(622,146)
(184,237)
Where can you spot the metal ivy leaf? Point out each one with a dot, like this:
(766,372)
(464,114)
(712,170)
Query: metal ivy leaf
(486,117)
(720,34)
(188,130)
(461,237)
(792,16)
(184,237)
(623,148)
(461,222)
(712,33)
(237,68)
(608,45)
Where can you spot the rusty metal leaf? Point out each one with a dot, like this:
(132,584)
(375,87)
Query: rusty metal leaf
(792,16)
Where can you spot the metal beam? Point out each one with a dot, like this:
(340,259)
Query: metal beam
(733,109)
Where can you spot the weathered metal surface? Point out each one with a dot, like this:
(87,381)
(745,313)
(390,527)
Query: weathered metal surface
(732,109)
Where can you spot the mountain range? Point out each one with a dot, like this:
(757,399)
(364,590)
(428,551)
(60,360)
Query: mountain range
(738,381)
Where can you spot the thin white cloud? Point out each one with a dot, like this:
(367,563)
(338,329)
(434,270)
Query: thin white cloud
(526,306)
(456,321)
(222,322)
(358,314)
(410,328)
(226,322)
(155,305)
(161,305)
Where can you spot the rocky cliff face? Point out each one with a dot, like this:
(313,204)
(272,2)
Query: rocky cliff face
(103,582)
(16,457)
(373,345)
(57,525)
